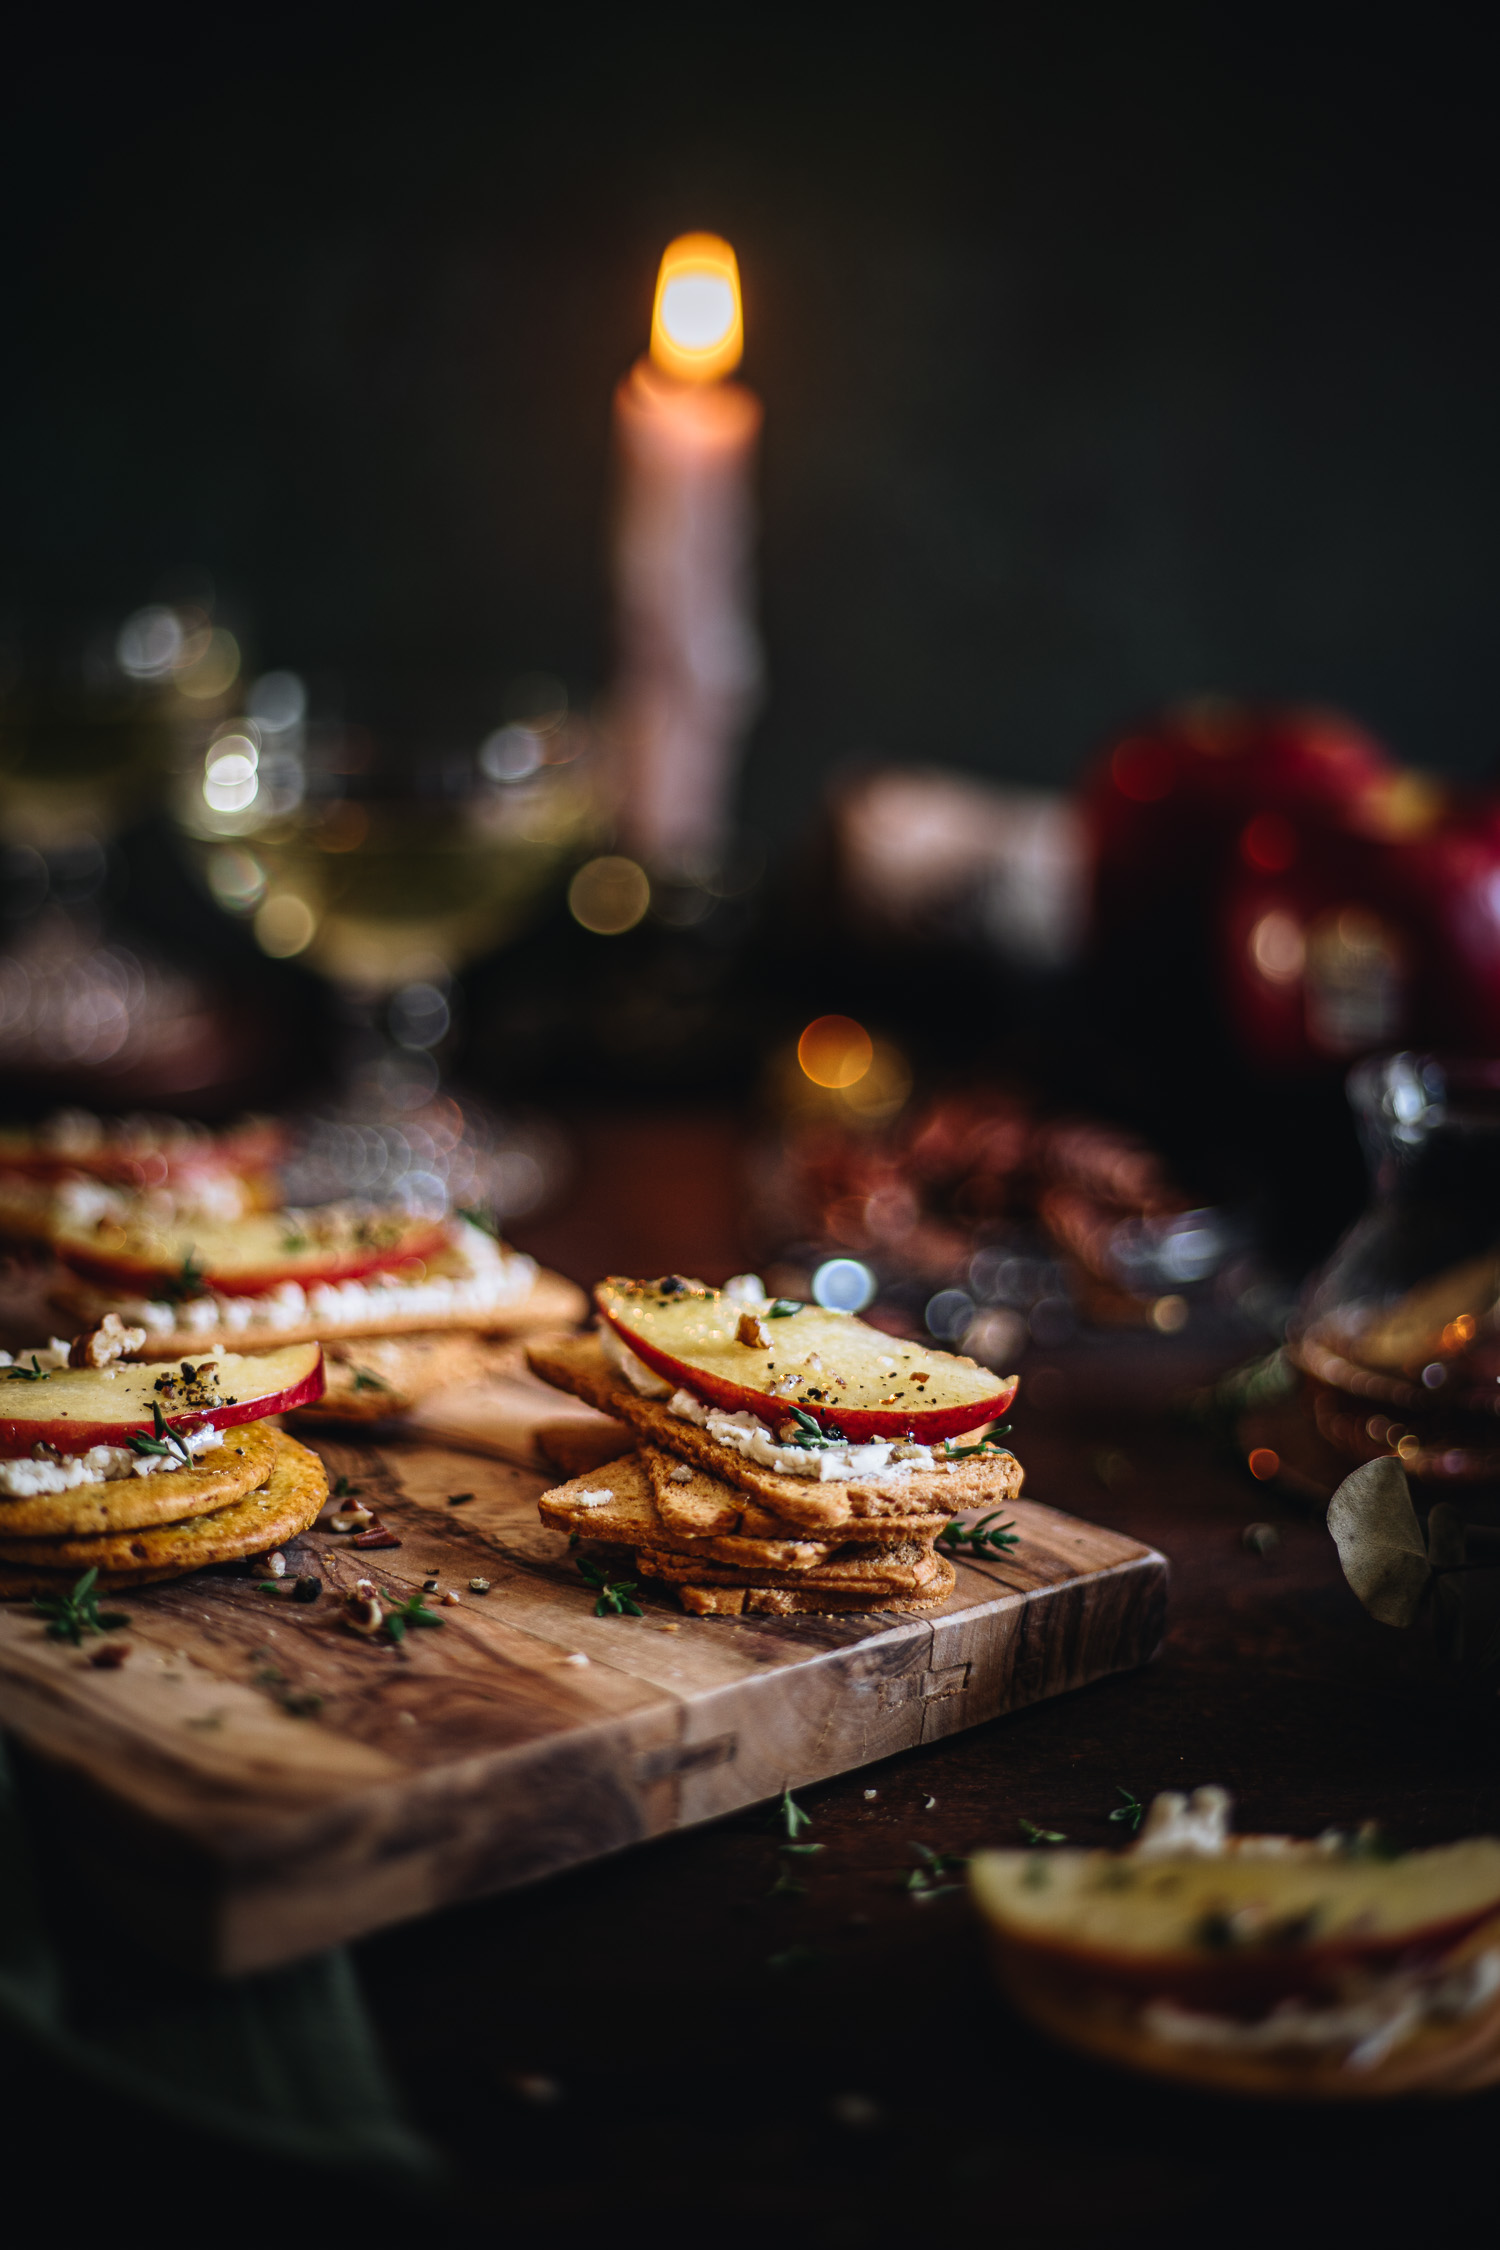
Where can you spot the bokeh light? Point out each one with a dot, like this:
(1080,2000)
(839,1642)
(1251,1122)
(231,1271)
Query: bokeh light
(1268,843)
(285,925)
(843,1285)
(609,896)
(1278,948)
(835,1051)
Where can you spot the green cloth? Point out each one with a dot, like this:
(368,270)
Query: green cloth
(283,2064)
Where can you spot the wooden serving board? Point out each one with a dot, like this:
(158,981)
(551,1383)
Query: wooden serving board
(237,1835)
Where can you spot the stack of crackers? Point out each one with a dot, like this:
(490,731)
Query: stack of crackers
(731,1537)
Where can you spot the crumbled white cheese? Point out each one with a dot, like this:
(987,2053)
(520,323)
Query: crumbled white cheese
(1367,2025)
(883,1461)
(101,1464)
(594,1499)
(637,1374)
(493,1277)
(747,1289)
(1197,1826)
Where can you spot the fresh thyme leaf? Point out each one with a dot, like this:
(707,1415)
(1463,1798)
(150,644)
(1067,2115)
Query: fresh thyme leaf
(787,1884)
(783,1308)
(791,1816)
(188,1282)
(614,1593)
(478,1216)
(987,1537)
(413,1611)
(1131,1813)
(986,1444)
(72,1615)
(294,1242)
(804,1851)
(35,1373)
(1035,1835)
(928,1879)
(344,1490)
(140,1443)
(808,1431)
(365,1381)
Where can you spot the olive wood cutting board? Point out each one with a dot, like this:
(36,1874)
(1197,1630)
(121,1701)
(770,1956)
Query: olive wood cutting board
(227,1823)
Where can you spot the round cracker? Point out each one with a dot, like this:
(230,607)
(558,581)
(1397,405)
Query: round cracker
(288,1503)
(225,1473)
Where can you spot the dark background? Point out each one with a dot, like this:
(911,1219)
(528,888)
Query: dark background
(1109,355)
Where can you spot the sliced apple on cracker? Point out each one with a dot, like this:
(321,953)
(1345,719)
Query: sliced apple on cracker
(73,1408)
(249,1256)
(790,1360)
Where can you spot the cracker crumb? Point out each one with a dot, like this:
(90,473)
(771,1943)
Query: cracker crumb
(870,1795)
(577,1657)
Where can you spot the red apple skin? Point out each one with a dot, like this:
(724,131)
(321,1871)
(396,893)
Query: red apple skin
(1247,1982)
(76,1437)
(126,1274)
(858,1424)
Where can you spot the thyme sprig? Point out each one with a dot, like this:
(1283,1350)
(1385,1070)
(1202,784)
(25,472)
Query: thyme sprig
(188,1282)
(35,1373)
(987,1537)
(1131,1813)
(166,1441)
(984,1447)
(614,1593)
(479,1216)
(1035,1835)
(809,1432)
(72,1615)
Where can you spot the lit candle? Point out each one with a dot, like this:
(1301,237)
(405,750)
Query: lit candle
(687,653)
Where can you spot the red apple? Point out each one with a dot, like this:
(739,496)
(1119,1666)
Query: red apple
(245,1257)
(1236,1930)
(73,1408)
(826,1364)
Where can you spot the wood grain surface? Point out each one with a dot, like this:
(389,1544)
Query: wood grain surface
(236,1829)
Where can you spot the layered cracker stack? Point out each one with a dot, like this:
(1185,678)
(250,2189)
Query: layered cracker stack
(730,1537)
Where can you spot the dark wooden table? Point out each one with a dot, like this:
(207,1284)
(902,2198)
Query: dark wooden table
(669,2042)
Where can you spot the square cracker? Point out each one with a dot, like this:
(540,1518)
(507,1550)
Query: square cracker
(628,1517)
(578,1364)
(793,1601)
(902,1570)
(692,1502)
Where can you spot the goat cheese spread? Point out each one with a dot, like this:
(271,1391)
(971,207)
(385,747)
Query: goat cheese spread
(491,1278)
(1368,2025)
(102,1464)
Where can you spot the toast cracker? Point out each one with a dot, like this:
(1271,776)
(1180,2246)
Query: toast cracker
(802,1601)
(629,1518)
(578,1364)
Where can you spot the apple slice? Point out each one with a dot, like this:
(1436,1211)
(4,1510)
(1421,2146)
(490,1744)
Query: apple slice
(852,1379)
(245,1257)
(73,1408)
(1237,1929)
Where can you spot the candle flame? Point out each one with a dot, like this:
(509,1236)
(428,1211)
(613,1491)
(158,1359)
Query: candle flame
(697,326)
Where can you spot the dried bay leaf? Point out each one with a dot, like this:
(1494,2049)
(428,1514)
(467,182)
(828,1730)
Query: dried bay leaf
(1379,1540)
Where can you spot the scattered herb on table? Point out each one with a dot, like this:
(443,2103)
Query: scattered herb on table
(987,1537)
(414,1611)
(795,1957)
(459,1499)
(32,1374)
(1131,1813)
(791,1816)
(1035,1835)
(929,1880)
(614,1593)
(298,1703)
(72,1615)
(344,1490)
